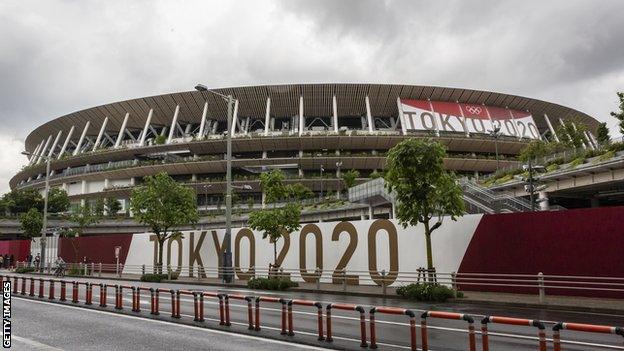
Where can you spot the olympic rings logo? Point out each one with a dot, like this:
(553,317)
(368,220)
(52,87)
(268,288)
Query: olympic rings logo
(475,110)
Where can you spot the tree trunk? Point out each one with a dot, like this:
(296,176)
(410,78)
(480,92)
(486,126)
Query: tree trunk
(275,253)
(429,253)
(159,264)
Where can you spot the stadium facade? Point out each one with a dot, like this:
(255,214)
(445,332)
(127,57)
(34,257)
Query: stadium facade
(312,131)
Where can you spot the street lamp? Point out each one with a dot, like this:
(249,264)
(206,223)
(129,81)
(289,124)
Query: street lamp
(228,274)
(496,133)
(206,186)
(322,169)
(45,207)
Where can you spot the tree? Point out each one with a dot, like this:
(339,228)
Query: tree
(22,200)
(299,191)
(571,134)
(350,177)
(423,187)
(620,114)
(113,206)
(83,216)
(31,223)
(98,208)
(58,201)
(163,204)
(603,134)
(275,222)
(533,150)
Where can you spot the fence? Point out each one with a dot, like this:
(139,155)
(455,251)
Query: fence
(254,325)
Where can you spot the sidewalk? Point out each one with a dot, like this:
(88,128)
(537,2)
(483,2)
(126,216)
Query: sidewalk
(553,302)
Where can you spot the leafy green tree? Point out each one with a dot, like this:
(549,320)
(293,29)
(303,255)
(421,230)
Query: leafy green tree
(423,188)
(571,134)
(164,204)
(83,216)
(274,222)
(99,207)
(533,150)
(58,201)
(620,114)
(31,223)
(113,206)
(22,200)
(603,134)
(299,191)
(350,177)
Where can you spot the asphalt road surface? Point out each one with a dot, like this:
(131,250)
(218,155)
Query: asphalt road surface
(392,331)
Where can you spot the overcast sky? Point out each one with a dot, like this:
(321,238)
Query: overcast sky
(57,57)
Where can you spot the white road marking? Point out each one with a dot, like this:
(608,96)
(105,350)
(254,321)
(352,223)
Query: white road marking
(214,331)
(34,343)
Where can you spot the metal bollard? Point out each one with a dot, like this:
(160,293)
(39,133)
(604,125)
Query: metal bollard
(257,328)
(63,291)
(32,287)
(51,290)
(74,292)
(118,299)
(221,309)
(23,285)
(454,284)
(15,289)
(92,269)
(89,293)
(153,309)
(540,283)
(201,307)
(103,298)
(249,313)
(41,288)
(290,318)
(134,299)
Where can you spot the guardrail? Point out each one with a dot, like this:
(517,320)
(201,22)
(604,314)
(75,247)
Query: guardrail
(287,314)
(539,284)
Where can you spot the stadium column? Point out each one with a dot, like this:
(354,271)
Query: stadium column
(173,124)
(146,127)
(67,139)
(593,138)
(99,137)
(35,155)
(301,118)
(590,141)
(45,148)
(585,144)
(267,127)
(202,124)
(82,136)
(234,118)
(56,140)
(369,116)
(552,130)
(335,113)
(401,116)
(121,131)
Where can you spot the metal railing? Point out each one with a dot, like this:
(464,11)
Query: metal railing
(537,284)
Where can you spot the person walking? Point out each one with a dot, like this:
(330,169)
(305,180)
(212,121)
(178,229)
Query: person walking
(29,259)
(37,262)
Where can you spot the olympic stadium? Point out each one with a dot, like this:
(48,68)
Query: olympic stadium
(311,131)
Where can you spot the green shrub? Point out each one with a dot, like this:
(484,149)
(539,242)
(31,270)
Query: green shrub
(157,278)
(606,156)
(425,292)
(271,283)
(577,161)
(551,168)
(159,140)
(75,271)
(25,270)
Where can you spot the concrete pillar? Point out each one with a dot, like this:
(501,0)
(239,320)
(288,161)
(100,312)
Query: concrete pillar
(202,124)
(234,117)
(335,113)
(544,205)
(35,154)
(301,118)
(173,124)
(56,140)
(121,131)
(371,212)
(369,116)
(66,143)
(132,181)
(43,151)
(552,130)
(106,183)
(146,127)
(82,136)
(193,177)
(267,117)
(401,116)
(99,137)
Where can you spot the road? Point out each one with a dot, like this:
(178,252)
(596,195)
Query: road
(45,326)
(392,331)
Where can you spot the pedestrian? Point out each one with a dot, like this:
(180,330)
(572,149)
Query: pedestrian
(29,258)
(37,262)
(1,261)
(5,261)
(11,260)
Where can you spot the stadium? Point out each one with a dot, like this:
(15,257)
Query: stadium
(311,131)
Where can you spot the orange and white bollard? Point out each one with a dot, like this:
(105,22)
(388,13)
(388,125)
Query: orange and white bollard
(63,291)
(346,307)
(32,287)
(41,288)
(74,292)
(51,290)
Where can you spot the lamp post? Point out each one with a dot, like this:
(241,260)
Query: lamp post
(496,133)
(45,208)
(228,274)
(322,169)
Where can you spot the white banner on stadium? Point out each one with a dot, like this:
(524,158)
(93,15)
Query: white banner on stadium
(456,117)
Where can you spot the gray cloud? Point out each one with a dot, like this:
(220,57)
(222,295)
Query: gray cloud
(60,56)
